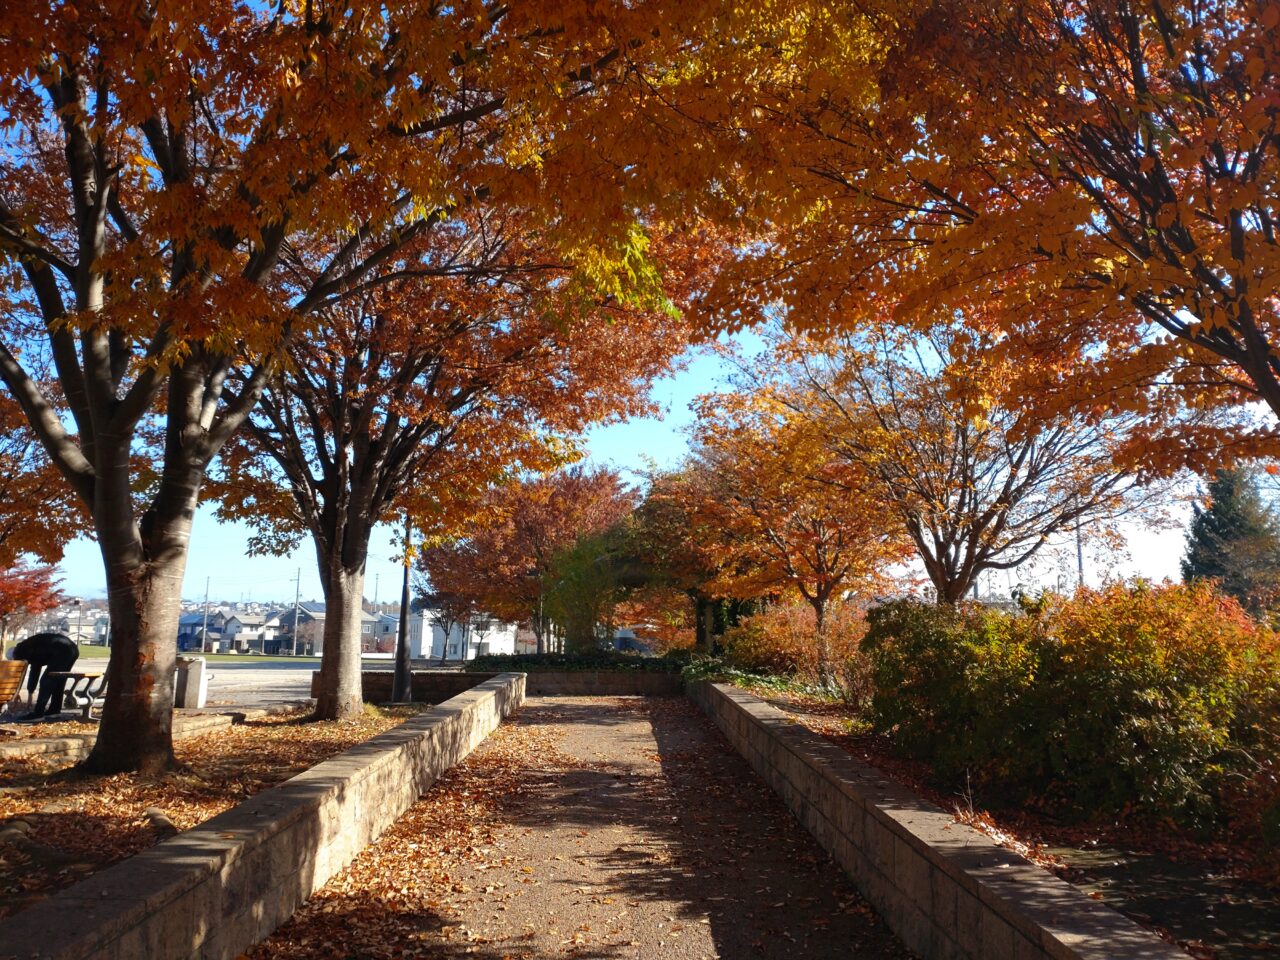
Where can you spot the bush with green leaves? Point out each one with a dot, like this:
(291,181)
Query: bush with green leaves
(949,683)
(1130,697)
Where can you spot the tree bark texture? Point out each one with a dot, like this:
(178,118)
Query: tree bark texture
(144,563)
(340,695)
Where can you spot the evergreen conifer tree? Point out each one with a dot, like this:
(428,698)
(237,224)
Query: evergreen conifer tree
(1236,541)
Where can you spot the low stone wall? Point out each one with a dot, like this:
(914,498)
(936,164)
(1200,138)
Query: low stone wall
(211,892)
(947,890)
(604,683)
(435,686)
(428,686)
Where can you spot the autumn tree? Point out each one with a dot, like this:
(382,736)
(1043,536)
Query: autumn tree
(768,501)
(1235,540)
(416,396)
(933,427)
(1106,171)
(25,592)
(674,559)
(168,168)
(586,586)
(505,558)
(450,611)
(39,512)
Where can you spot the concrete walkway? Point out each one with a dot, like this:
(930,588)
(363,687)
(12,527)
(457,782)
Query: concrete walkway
(627,828)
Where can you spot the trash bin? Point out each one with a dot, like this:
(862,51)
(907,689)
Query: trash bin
(191,685)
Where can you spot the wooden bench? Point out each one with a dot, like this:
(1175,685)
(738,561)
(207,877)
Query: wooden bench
(84,690)
(11,675)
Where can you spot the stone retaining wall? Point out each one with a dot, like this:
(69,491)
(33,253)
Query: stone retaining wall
(434,686)
(604,683)
(212,892)
(947,890)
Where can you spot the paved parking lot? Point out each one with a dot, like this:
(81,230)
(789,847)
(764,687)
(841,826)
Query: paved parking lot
(262,683)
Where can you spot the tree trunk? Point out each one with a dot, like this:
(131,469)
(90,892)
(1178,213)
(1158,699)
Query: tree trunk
(951,592)
(340,696)
(136,732)
(826,674)
(144,564)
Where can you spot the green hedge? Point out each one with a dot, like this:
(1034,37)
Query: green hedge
(576,662)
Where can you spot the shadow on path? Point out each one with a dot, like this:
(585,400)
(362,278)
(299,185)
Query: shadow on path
(593,828)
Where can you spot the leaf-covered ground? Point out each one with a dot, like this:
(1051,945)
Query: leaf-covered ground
(64,728)
(592,828)
(57,826)
(1203,894)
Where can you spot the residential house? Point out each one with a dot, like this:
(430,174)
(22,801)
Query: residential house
(310,629)
(308,636)
(252,633)
(385,631)
(369,632)
(429,640)
(191,631)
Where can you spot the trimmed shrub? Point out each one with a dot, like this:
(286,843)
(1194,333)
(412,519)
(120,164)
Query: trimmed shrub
(1131,696)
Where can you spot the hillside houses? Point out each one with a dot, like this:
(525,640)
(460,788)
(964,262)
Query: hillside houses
(192,627)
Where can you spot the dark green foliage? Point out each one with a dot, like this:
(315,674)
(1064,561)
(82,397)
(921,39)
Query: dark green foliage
(584,590)
(717,670)
(1236,541)
(591,660)
(949,685)
(1125,698)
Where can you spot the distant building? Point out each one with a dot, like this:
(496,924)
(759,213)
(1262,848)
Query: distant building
(374,634)
(626,639)
(308,637)
(191,632)
(252,633)
(428,639)
(385,631)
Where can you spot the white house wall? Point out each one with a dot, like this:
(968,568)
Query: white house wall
(499,639)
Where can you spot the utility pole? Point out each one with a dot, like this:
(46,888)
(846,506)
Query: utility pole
(1079,556)
(204,630)
(402,685)
(376,578)
(297,593)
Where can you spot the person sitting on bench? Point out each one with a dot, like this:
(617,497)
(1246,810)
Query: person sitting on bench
(46,653)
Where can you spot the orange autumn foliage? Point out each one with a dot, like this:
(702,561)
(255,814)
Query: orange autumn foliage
(761,489)
(189,187)
(25,592)
(504,559)
(1102,173)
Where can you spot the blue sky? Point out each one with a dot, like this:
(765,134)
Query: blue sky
(217,550)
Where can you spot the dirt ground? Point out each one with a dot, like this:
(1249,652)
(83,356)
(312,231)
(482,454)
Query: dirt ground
(592,828)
